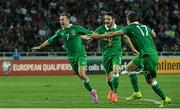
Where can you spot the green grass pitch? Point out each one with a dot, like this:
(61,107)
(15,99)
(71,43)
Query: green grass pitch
(68,92)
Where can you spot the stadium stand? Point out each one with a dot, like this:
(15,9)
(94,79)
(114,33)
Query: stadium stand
(25,23)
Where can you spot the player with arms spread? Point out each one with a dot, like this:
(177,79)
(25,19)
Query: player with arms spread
(112,54)
(141,37)
(70,34)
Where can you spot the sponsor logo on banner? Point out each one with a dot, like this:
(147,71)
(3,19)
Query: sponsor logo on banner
(166,65)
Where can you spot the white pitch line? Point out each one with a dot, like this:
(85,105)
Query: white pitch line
(154,101)
(149,100)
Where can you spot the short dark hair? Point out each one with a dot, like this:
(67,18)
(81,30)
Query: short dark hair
(132,16)
(65,14)
(110,13)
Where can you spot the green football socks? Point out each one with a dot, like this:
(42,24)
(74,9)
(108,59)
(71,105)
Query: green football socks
(87,85)
(156,87)
(115,82)
(134,81)
(110,83)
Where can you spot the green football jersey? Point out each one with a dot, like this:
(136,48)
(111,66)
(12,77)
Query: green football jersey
(110,46)
(141,37)
(72,40)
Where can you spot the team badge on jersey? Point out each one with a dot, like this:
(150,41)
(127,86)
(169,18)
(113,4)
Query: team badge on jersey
(73,32)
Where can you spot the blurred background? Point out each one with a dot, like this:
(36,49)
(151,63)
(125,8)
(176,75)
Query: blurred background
(26,23)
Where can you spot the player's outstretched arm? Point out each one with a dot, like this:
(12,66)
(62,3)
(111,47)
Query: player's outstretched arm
(129,43)
(119,33)
(101,36)
(40,46)
(106,35)
(85,37)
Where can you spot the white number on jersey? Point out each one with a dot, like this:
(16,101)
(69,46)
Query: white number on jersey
(141,29)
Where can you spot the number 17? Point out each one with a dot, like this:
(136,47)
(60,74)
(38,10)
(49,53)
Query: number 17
(140,28)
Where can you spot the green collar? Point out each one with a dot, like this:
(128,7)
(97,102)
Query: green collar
(134,23)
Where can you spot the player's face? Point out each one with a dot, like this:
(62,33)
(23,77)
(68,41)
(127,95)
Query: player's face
(109,20)
(64,21)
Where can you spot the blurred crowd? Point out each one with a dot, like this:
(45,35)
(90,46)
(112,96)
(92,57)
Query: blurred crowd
(26,23)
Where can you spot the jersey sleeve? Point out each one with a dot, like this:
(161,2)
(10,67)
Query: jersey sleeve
(51,39)
(126,30)
(82,30)
(98,30)
(149,29)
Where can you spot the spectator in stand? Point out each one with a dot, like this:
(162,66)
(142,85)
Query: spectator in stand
(16,54)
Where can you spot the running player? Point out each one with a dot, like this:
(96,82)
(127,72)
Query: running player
(70,34)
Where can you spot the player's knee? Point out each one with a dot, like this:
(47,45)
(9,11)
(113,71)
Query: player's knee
(109,77)
(151,81)
(128,69)
(116,69)
(116,75)
(82,73)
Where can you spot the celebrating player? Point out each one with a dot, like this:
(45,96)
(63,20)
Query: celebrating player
(111,51)
(71,36)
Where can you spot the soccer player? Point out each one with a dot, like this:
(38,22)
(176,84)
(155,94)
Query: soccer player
(112,54)
(130,70)
(141,36)
(70,34)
